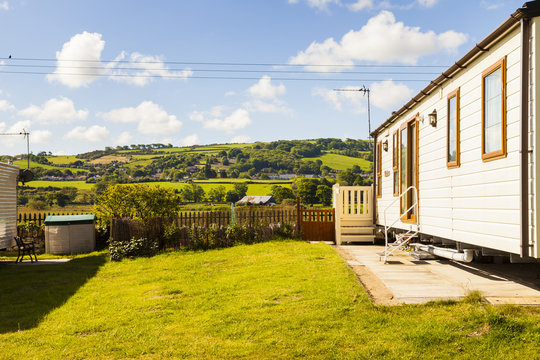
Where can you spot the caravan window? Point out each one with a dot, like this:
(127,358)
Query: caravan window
(494,111)
(452,136)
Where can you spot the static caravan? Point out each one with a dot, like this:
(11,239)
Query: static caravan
(8,204)
(457,163)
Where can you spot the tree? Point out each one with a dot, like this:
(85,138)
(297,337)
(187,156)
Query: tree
(139,201)
(307,190)
(324,194)
(193,192)
(280,193)
(217,194)
(241,189)
(231,196)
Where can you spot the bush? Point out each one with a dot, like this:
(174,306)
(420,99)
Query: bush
(133,248)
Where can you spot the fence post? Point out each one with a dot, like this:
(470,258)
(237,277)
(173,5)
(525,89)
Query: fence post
(298,216)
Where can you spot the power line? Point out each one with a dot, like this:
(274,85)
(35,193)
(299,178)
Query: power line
(228,70)
(224,63)
(172,76)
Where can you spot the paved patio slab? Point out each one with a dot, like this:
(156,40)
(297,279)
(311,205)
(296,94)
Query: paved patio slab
(419,281)
(39,262)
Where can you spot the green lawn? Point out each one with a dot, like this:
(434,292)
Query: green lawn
(277,300)
(342,162)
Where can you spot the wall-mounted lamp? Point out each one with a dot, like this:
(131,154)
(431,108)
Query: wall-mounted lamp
(433,118)
(420,118)
(385,145)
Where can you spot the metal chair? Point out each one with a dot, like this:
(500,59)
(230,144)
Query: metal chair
(25,248)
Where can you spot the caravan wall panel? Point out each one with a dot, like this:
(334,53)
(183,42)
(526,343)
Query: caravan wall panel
(8,204)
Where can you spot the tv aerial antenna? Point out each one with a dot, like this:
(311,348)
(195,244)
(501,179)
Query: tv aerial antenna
(364,90)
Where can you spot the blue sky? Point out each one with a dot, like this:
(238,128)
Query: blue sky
(108,73)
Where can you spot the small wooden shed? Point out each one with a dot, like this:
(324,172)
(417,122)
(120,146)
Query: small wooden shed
(8,204)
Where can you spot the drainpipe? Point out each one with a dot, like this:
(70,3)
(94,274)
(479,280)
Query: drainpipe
(374,192)
(524,146)
(466,256)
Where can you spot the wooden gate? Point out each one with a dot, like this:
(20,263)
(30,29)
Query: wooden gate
(354,214)
(316,225)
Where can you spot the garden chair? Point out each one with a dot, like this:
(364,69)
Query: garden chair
(25,248)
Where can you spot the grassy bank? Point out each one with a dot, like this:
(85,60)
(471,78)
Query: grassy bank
(273,300)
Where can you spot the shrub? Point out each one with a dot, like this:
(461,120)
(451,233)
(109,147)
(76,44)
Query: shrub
(133,248)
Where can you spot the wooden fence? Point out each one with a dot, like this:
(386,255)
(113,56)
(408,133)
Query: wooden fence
(39,217)
(123,229)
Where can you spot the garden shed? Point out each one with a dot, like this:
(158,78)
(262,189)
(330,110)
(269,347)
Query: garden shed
(8,204)
(70,234)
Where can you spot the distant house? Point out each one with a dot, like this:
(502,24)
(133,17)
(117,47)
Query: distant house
(282,177)
(8,204)
(256,200)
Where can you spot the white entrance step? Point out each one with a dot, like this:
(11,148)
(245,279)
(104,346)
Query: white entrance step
(357,238)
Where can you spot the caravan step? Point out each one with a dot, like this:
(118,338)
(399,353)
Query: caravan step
(357,230)
(357,238)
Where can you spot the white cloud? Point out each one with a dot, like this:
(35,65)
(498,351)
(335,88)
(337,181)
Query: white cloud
(201,116)
(140,69)
(40,136)
(61,110)
(360,5)
(5,105)
(344,100)
(264,89)
(4,5)
(388,95)
(124,138)
(79,61)
(94,133)
(427,3)
(491,6)
(385,95)
(239,119)
(318,4)
(19,126)
(381,40)
(190,140)
(11,141)
(274,106)
(265,97)
(150,117)
(240,139)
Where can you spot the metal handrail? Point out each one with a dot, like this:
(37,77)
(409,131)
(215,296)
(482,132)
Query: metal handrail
(386,227)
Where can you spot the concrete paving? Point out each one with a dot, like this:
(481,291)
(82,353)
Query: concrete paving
(39,262)
(419,281)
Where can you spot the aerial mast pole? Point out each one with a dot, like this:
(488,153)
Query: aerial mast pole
(364,90)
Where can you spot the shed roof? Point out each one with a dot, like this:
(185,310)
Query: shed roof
(529,10)
(69,219)
(255,200)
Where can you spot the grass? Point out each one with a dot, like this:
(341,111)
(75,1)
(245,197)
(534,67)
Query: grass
(83,185)
(277,300)
(24,163)
(342,162)
(63,159)
(258,188)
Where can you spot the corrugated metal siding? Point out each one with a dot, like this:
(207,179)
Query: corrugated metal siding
(8,204)
(479,202)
